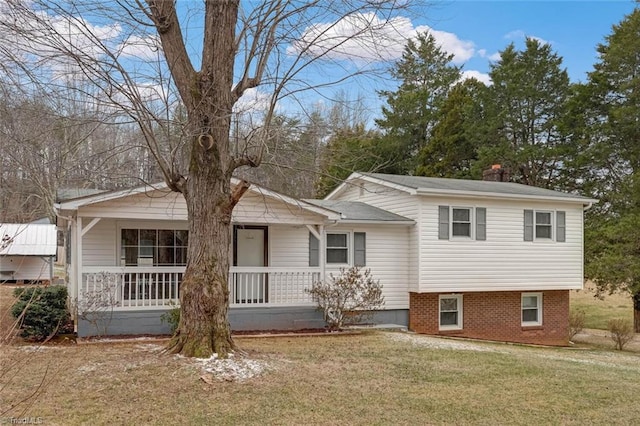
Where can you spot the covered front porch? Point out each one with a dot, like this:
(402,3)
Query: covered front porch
(134,288)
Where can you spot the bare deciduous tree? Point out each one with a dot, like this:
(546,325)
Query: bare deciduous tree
(277,46)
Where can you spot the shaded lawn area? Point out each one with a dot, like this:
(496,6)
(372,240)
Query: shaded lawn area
(372,378)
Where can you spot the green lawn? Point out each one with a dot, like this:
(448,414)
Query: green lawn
(600,311)
(373,378)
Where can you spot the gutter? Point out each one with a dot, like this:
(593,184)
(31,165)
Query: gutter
(476,194)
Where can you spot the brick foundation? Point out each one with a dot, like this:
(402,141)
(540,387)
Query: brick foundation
(495,316)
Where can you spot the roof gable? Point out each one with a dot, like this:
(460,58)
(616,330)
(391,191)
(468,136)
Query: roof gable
(76,203)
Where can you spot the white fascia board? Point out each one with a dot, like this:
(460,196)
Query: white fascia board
(476,194)
(377,222)
(74,204)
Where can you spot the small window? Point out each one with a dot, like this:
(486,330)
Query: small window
(531,309)
(338,248)
(461,222)
(451,312)
(544,227)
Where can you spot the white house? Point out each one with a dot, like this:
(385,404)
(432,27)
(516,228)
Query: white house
(130,246)
(27,252)
(490,260)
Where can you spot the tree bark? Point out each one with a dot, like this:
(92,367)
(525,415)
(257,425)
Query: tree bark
(204,294)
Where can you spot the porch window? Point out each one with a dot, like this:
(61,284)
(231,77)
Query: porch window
(153,247)
(338,248)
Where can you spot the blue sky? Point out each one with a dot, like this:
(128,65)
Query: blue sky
(475,32)
(574,28)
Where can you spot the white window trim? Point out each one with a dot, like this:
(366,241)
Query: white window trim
(460,309)
(539,307)
(472,223)
(553,226)
(349,235)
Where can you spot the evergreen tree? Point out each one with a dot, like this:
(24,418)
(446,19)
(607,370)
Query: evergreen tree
(350,150)
(613,110)
(529,99)
(426,76)
(460,129)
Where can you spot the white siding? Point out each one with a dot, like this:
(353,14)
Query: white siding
(387,257)
(288,246)
(395,201)
(99,244)
(24,268)
(504,261)
(159,205)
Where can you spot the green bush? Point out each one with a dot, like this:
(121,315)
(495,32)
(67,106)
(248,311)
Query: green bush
(41,311)
(172,317)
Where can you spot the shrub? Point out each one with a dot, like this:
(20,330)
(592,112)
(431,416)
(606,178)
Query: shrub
(41,311)
(172,317)
(348,298)
(621,332)
(576,322)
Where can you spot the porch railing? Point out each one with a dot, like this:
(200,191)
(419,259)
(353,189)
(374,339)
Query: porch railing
(152,287)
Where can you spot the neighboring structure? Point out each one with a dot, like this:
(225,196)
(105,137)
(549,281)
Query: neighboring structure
(27,252)
(491,260)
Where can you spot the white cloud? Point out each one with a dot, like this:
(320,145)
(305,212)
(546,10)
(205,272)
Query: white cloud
(495,57)
(521,35)
(368,38)
(146,48)
(480,76)
(252,101)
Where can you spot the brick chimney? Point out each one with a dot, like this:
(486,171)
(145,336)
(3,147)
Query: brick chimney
(496,174)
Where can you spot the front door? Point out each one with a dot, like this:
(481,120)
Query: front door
(250,245)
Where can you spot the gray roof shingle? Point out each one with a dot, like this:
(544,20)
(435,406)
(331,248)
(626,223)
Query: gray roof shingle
(500,188)
(357,211)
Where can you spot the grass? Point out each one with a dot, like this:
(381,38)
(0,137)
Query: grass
(600,311)
(373,378)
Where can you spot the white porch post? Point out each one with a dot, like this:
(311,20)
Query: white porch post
(323,252)
(319,234)
(78,258)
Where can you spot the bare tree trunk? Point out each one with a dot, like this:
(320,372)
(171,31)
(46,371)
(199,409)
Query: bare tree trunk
(204,297)
(204,327)
(636,312)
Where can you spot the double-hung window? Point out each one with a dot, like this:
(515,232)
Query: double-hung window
(462,222)
(450,312)
(531,309)
(338,248)
(545,225)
